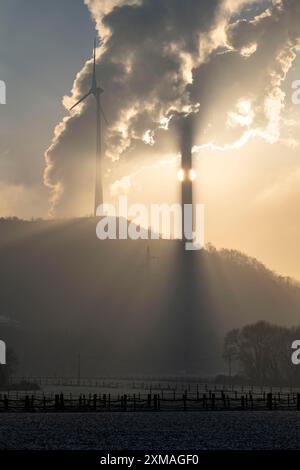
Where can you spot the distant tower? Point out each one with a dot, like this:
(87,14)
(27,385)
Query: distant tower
(186,173)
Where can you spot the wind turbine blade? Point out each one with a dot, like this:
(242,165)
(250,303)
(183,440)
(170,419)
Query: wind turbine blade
(81,99)
(105,120)
(94,83)
(100,40)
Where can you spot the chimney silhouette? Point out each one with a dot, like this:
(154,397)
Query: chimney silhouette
(186,168)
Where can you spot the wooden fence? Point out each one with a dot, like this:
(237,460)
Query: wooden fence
(170,401)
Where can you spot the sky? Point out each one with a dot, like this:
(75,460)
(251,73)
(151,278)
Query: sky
(228,64)
(42,46)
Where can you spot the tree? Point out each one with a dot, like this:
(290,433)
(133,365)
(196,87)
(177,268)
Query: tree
(263,352)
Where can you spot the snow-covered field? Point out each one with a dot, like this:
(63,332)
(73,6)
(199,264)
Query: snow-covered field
(151,431)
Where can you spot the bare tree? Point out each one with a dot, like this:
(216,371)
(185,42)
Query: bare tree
(263,353)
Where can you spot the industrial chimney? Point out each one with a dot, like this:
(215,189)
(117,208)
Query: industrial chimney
(186,173)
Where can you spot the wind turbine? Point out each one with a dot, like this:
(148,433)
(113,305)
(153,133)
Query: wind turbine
(96,91)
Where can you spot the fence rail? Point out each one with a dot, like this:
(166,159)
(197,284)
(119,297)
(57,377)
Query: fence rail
(170,401)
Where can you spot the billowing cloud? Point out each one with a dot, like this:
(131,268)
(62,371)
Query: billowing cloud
(160,59)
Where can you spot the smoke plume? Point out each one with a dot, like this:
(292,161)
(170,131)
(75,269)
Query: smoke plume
(212,60)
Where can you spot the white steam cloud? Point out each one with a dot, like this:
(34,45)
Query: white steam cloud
(164,58)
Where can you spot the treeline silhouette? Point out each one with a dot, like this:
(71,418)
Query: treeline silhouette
(262,353)
(126,306)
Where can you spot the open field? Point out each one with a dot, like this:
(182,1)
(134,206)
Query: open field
(151,431)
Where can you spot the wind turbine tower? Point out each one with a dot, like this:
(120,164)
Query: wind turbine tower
(96,91)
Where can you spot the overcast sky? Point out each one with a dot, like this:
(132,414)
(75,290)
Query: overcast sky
(229,63)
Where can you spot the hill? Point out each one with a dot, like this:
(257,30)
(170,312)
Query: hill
(126,306)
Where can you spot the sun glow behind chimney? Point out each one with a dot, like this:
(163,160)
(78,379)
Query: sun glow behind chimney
(186,173)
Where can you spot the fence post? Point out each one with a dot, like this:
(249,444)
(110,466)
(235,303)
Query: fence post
(125,402)
(223,398)
(269,401)
(149,400)
(56,405)
(27,403)
(298,401)
(213,401)
(243,402)
(95,401)
(251,400)
(6,402)
(184,401)
(62,402)
(155,401)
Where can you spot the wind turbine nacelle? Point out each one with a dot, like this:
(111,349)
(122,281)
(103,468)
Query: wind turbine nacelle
(97,91)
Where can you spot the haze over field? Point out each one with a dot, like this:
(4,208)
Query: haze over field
(65,292)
